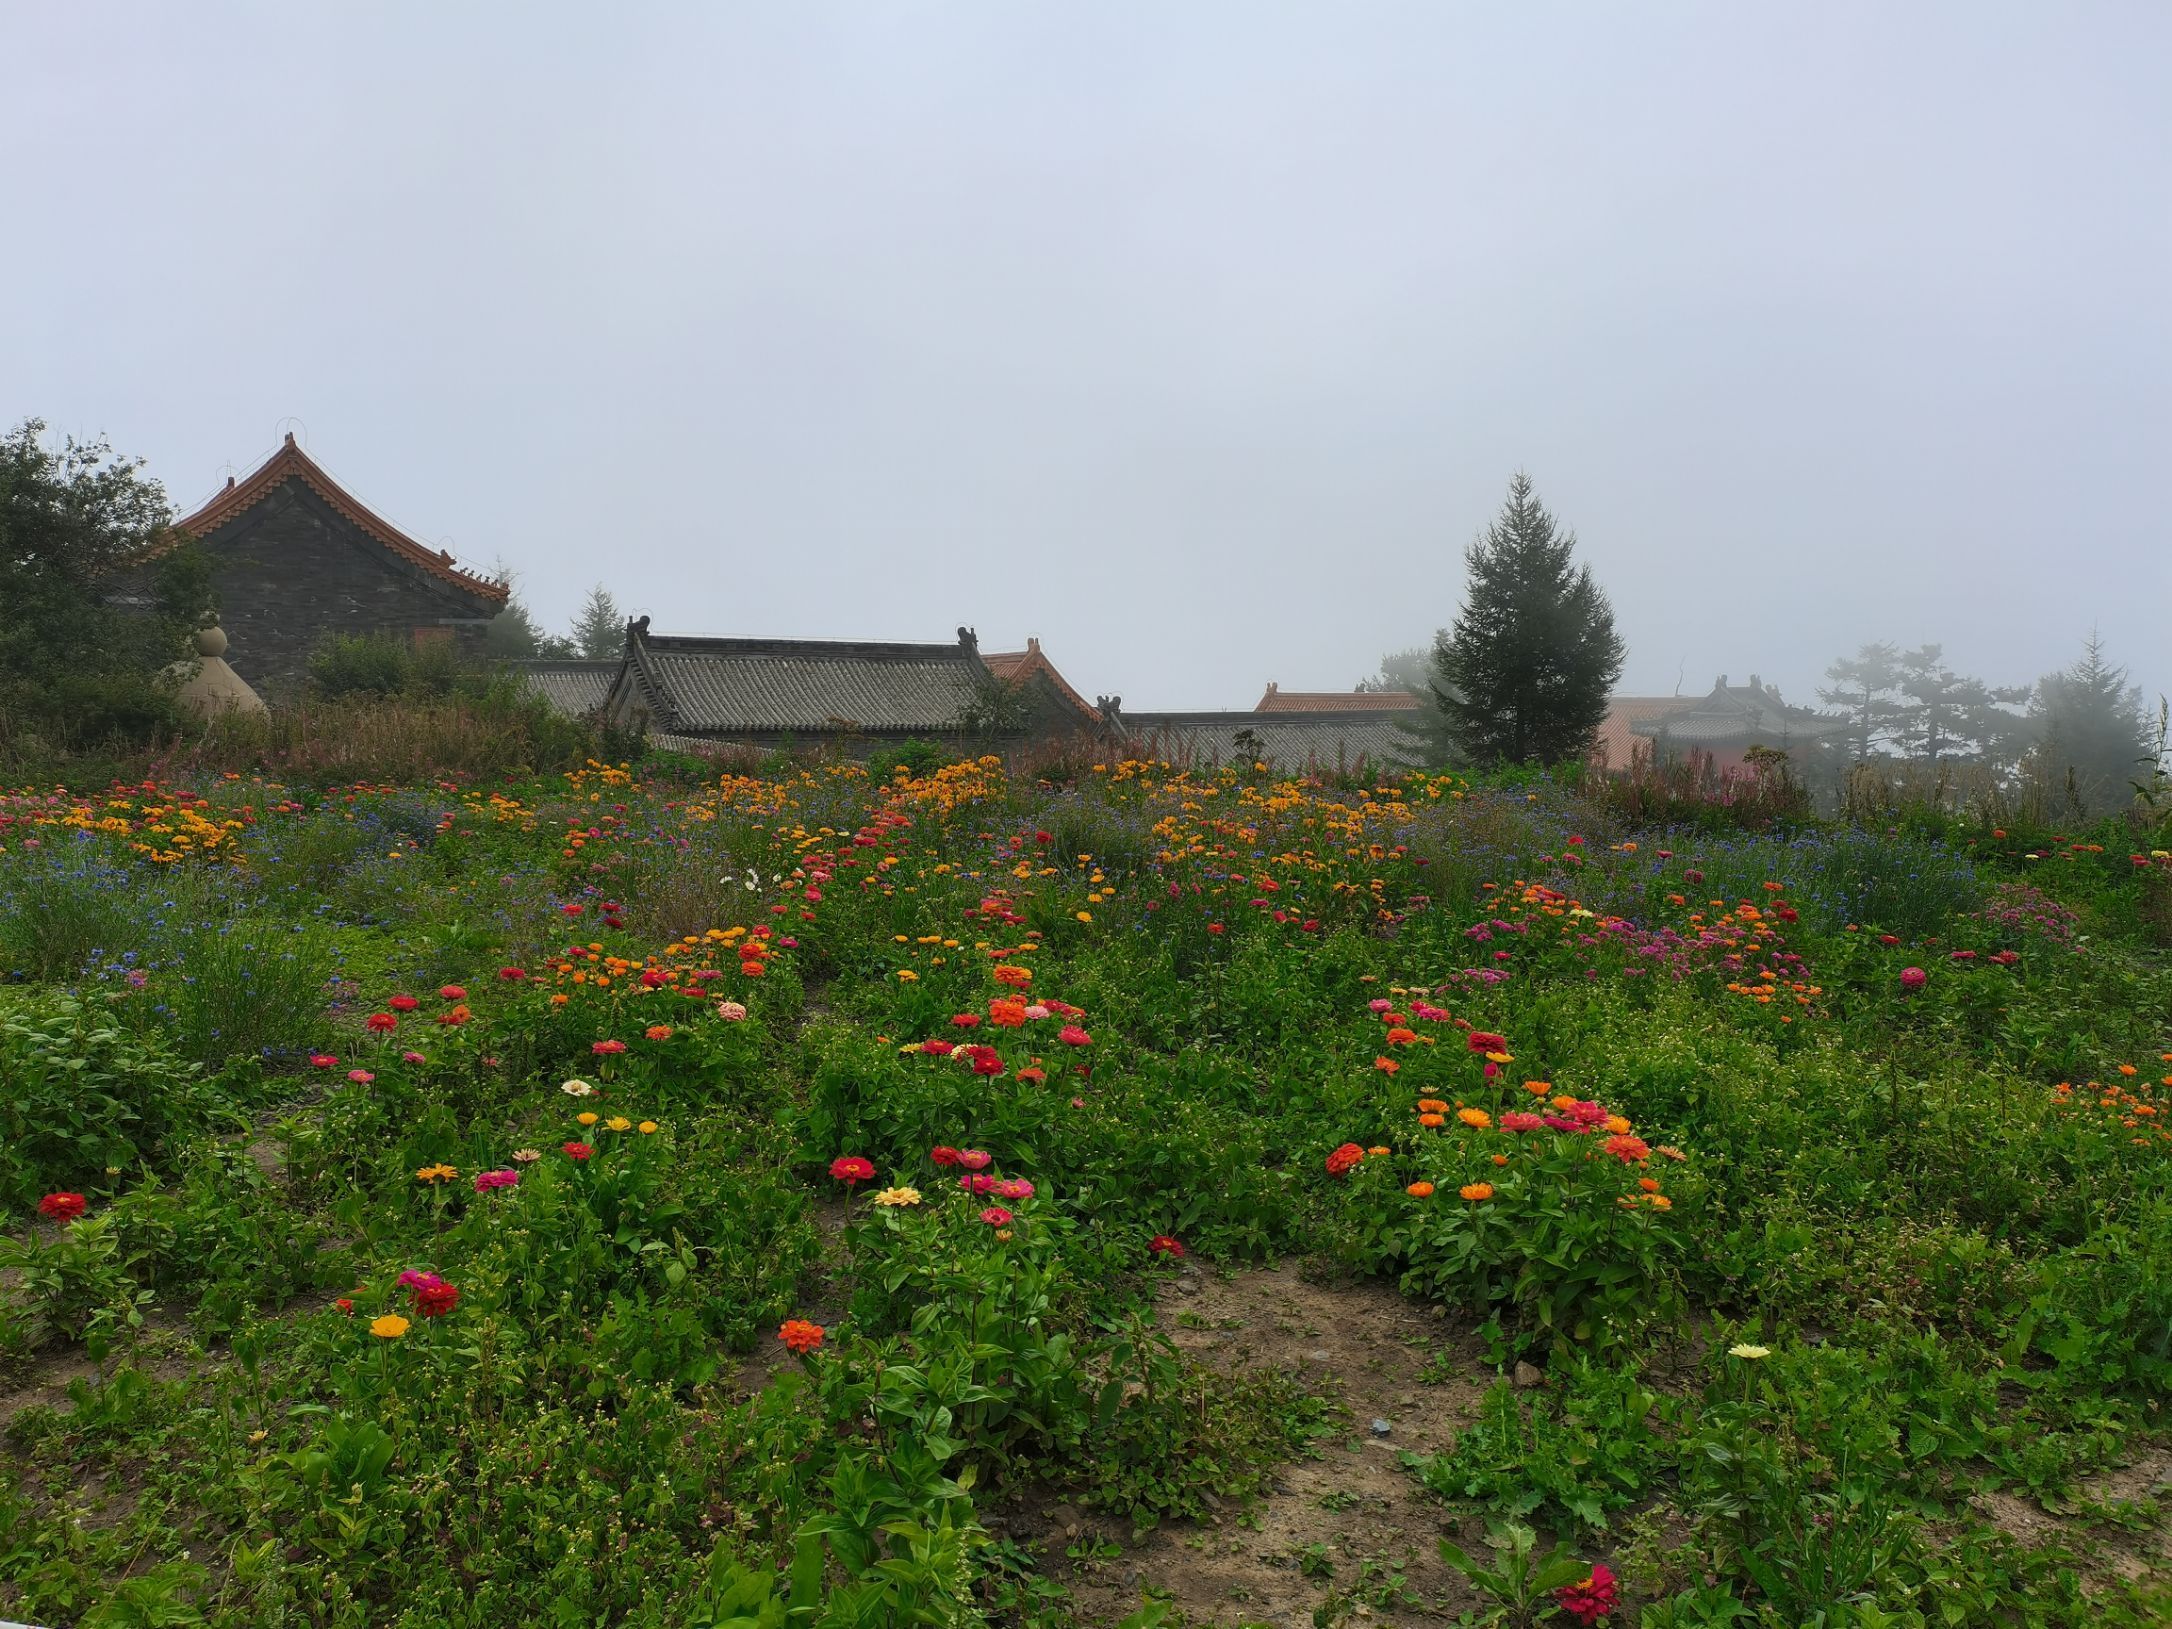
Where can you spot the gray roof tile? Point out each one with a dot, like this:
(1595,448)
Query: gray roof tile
(812,686)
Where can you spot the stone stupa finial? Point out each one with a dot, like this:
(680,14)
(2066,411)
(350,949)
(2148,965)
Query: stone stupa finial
(212,687)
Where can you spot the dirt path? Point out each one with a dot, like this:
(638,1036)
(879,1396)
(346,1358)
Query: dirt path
(1350,1530)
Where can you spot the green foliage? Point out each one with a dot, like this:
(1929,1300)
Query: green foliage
(1569,1463)
(87,620)
(85,1095)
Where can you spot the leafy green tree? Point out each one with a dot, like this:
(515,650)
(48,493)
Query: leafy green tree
(599,631)
(1524,675)
(87,618)
(1866,687)
(2091,730)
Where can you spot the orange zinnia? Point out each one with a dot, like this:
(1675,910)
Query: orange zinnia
(1476,1191)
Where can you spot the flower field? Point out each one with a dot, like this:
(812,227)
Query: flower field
(626,1200)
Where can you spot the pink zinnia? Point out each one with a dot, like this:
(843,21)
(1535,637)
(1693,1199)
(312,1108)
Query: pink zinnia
(730,1011)
(996,1216)
(975,1159)
(361,1077)
(1913,979)
(1517,1120)
(978,1182)
(1014,1188)
(1072,1035)
(606,1049)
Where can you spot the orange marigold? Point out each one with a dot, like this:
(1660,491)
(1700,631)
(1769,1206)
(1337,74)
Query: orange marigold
(1476,1192)
(1476,1119)
(1420,1190)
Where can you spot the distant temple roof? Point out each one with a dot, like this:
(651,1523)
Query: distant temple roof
(1309,740)
(1278,700)
(573,688)
(1615,742)
(703,686)
(290,463)
(1751,713)
(1018,666)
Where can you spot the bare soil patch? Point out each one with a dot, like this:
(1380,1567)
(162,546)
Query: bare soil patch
(2110,1551)
(1351,1524)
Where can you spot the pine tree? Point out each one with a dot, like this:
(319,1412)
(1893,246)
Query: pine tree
(1524,675)
(1949,716)
(2090,727)
(599,631)
(1866,687)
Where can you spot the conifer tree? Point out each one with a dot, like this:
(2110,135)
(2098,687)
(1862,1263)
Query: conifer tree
(2090,727)
(1524,675)
(599,631)
(1866,687)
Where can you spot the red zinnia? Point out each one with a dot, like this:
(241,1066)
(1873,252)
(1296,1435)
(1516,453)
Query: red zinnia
(996,1216)
(1590,1600)
(1344,1158)
(511,974)
(578,1151)
(606,1049)
(435,1300)
(943,1154)
(452,992)
(381,1023)
(403,1003)
(1484,1040)
(1162,1245)
(63,1207)
(850,1168)
(1072,1035)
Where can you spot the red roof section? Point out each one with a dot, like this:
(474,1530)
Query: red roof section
(290,463)
(1614,743)
(1278,700)
(1015,666)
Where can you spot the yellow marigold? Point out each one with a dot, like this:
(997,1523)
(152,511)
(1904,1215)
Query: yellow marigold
(588,1117)
(618,1122)
(1476,1119)
(646,1127)
(1085,916)
(390,1327)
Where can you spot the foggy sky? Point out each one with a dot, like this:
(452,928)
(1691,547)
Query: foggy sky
(1196,339)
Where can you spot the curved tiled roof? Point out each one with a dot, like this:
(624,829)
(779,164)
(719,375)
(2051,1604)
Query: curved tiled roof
(1015,666)
(290,463)
(573,688)
(1278,700)
(702,686)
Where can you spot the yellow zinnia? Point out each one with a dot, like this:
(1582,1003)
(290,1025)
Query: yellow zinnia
(390,1327)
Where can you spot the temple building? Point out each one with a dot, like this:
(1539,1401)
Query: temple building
(851,694)
(1724,725)
(295,559)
